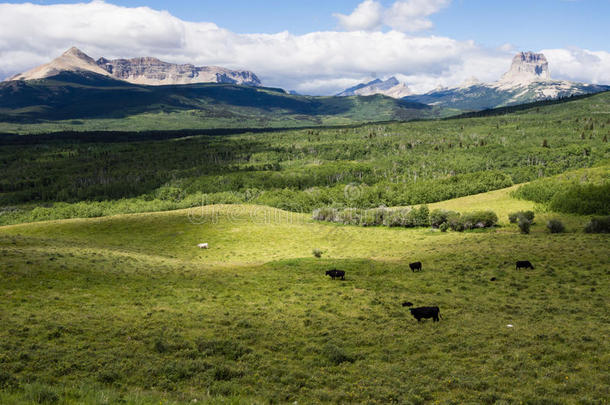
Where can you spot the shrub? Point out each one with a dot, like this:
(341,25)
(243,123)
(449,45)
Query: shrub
(326,214)
(443,227)
(397,217)
(513,218)
(317,253)
(421,216)
(555,226)
(598,225)
(439,217)
(373,217)
(455,222)
(350,216)
(524,225)
(408,217)
(479,219)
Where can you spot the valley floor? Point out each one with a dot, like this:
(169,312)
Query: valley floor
(127,309)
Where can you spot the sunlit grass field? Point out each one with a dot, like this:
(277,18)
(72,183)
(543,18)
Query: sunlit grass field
(127,309)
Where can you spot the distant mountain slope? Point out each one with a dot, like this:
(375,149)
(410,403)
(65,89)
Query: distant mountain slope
(390,87)
(527,80)
(77,95)
(150,71)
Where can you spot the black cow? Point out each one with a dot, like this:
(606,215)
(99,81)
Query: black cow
(425,312)
(524,264)
(336,274)
(407,304)
(415,266)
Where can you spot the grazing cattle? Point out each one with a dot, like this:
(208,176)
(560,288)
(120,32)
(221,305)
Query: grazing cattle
(203,246)
(492,279)
(336,274)
(425,312)
(407,304)
(415,266)
(524,264)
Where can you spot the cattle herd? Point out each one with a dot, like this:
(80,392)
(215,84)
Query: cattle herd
(420,313)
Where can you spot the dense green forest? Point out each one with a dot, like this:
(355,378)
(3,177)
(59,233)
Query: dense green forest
(389,164)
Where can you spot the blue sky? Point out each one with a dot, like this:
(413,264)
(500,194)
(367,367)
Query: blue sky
(316,46)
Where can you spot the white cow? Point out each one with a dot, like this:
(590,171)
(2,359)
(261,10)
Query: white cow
(203,246)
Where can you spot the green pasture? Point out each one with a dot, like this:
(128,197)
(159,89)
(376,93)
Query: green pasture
(127,309)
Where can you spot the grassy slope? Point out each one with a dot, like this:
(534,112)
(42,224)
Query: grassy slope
(128,307)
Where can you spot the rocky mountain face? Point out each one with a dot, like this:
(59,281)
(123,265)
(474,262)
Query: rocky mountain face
(73,60)
(149,71)
(527,67)
(390,87)
(153,71)
(527,80)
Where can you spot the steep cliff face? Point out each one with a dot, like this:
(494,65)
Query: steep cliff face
(149,71)
(153,71)
(527,67)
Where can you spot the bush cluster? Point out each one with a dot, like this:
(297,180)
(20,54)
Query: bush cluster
(524,219)
(598,225)
(514,217)
(408,218)
(555,226)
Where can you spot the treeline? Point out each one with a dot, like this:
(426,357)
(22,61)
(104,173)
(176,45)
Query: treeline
(588,194)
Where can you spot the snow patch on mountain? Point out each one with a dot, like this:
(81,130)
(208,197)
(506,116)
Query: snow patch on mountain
(390,87)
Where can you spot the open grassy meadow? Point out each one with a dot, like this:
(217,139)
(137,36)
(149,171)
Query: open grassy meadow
(105,297)
(126,309)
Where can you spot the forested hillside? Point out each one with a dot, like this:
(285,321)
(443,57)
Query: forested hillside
(300,170)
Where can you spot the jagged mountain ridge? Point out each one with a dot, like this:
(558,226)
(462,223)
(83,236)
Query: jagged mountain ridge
(527,80)
(143,70)
(390,87)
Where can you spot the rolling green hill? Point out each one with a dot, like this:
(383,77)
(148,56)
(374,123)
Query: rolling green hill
(127,309)
(87,101)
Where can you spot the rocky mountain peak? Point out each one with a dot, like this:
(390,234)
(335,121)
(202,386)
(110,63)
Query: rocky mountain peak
(77,53)
(142,70)
(527,67)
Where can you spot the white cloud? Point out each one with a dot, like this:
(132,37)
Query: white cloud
(579,65)
(404,15)
(367,16)
(410,15)
(315,63)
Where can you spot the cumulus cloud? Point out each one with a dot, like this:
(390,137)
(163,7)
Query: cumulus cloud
(314,63)
(579,64)
(405,15)
(367,16)
(411,15)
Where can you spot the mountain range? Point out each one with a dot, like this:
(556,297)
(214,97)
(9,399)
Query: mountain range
(74,90)
(143,70)
(527,80)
